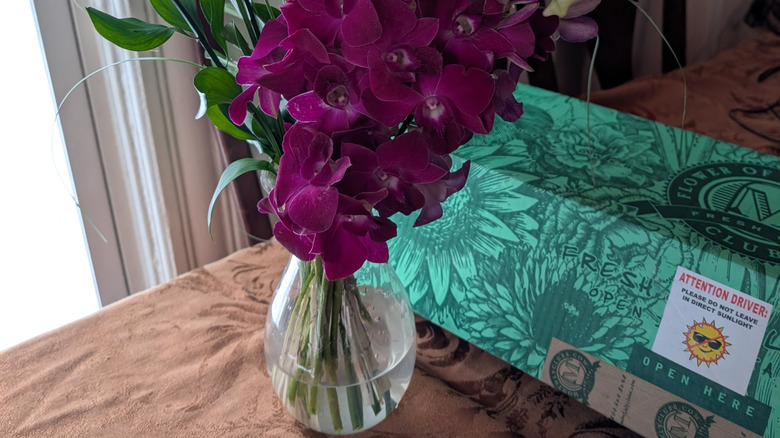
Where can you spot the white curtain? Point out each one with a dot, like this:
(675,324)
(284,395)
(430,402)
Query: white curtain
(712,26)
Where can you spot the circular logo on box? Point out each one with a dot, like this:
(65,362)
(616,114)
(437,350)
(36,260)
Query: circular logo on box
(735,205)
(681,420)
(573,374)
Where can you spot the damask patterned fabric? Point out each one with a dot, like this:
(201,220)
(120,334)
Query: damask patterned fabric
(186,359)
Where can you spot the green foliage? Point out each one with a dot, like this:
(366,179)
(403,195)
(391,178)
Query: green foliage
(129,33)
(221,37)
(214,11)
(217,84)
(265,11)
(218,88)
(168,12)
(219,117)
(233,36)
(233,171)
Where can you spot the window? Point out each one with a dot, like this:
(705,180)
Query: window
(47,275)
(144,168)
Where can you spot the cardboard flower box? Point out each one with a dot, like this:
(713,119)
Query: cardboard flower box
(613,256)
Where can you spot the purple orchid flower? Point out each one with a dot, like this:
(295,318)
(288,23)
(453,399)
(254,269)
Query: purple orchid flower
(466,36)
(450,103)
(574,26)
(504,103)
(351,22)
(304,197)
(352,71)
(517,29)
(355,237)
(437,192)
(444,106)
(331,101)
(252,68)
(396,168)
(400,53)
(544,29)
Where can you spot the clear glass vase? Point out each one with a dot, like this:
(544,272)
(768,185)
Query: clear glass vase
(341,353)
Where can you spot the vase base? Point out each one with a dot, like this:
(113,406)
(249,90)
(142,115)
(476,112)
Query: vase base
(359,407)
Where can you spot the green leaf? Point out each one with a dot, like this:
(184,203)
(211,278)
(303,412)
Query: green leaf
(233,171)
(214,11)
(234,36)
(265,11)
(219,117)
(189,11)
(129,33)
(168,12)
(217,84)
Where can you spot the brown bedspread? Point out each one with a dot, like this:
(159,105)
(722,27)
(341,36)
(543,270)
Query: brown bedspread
(726,98)
(186,359)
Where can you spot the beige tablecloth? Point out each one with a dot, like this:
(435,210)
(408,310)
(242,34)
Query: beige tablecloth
(186,360)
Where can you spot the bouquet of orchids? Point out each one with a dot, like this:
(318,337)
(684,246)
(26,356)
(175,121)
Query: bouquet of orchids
(382,92)
(357,105)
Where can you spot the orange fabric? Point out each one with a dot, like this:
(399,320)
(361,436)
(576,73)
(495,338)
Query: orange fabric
(186,359)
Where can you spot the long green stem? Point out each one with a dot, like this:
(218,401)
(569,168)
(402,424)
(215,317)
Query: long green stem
(199,32)
(269,132)
(328,337)
(253,34)
(252,18)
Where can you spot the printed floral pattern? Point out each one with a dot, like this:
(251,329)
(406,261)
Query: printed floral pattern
(549,249)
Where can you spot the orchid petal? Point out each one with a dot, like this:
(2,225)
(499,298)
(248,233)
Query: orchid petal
(313,208)
(361,25)
(306,107)
(470,90)
(249,69)
(388,113)
(581,7)
(361,157)
(305,41)
(343,252)
(407,151)
(396,18)
(559,7)
(273,33)
(269,101)
(423,33)
(237,110)
(578,30)
(299,246)
(384,86)
(493,7)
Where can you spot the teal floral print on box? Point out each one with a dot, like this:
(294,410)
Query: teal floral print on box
(547,239)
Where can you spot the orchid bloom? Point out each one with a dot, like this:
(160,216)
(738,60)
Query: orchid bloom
(252,68)
(396,168)
(574,26)
(355,237)
(304,197)
(331,101)
(382,91)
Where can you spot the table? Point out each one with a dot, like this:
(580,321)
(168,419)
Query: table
(186,359)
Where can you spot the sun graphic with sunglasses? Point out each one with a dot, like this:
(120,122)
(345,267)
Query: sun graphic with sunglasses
(705,342)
